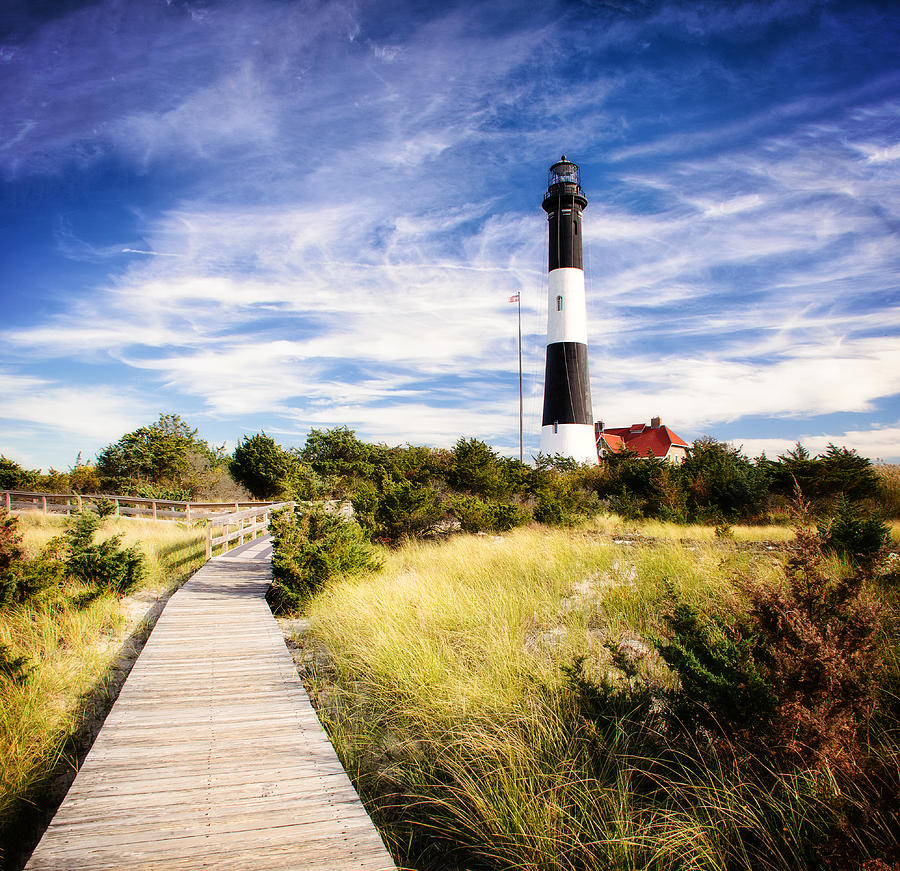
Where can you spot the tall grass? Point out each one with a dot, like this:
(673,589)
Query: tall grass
(612,524)
(448,696)
(448,685)
(889,485)
(69,642)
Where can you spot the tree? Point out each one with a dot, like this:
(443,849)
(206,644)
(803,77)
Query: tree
(83,477)
(845,473)
(165,460)
(720,482)
(476,469)
(14,477)
(338,453)
(268,471)
(640,486)
(838,472)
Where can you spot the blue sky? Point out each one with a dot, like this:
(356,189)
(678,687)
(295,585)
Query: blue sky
(281,215)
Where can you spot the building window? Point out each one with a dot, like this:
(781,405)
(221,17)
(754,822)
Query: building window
(555,426)
(559,303)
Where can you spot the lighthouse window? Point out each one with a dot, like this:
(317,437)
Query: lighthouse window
(559,303)
(555,426)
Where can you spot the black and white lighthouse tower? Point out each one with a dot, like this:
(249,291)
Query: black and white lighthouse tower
(567,426)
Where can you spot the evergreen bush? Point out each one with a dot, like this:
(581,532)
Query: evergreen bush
(721,684)
(396,510)
(851,532)
(486,515)
(106,566)
(309,546)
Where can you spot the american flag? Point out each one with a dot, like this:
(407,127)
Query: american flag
(514,297)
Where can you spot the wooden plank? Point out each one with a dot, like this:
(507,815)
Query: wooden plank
(212,756)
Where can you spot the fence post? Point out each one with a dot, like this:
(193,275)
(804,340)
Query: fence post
(44,504)
(154,508)
(80,503)
(8,502)
(208,540)
(187,511)
(118,510)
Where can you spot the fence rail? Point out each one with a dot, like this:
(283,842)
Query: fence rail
(237,521)
(130,506)
(240,526)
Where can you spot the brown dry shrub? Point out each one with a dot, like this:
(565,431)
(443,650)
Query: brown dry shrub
(818,642)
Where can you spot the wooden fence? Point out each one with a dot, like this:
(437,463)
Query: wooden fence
(131,506)
(236,521)
(239,526)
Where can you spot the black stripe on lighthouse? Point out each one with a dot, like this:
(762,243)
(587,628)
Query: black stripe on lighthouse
(567,394)
(565,234)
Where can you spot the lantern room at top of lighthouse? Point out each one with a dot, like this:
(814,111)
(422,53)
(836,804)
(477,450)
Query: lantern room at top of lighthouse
(564,181)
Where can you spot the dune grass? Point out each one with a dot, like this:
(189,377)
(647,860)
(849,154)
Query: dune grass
(465,626)
(68,642)
(612,524)
(446,682)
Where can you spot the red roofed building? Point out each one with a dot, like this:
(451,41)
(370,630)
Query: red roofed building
(656,440)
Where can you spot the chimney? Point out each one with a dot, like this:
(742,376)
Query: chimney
(654,423)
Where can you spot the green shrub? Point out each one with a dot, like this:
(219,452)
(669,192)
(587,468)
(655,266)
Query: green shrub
(168,492)
(106,566)
(338,455)
(400,509)
(838,472)
(165,460)
(11,556)
(477,469)
(720,680)
(794,675)
(22,578)
(309,547)
(559,501)
(640,486)
(104,506)
(14,477)
(269,471)
(486,515)
(850,532)
(719,482)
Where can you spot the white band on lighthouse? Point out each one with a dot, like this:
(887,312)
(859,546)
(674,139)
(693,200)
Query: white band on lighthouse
(573,440)
(566,312)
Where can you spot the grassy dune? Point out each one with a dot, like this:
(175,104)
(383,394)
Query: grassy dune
(466,626)
(446,682)
(69,642)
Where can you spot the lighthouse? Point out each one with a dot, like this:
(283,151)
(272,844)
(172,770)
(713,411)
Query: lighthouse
(567,426)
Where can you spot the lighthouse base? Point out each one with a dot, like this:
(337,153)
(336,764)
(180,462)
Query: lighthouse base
(575,440)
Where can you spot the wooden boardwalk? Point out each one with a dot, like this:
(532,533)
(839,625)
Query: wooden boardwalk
(212,756)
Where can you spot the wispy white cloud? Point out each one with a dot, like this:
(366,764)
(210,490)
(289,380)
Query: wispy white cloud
(345,208)
(698,392)
(83,412)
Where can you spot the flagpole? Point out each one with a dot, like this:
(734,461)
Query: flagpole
(521,439)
